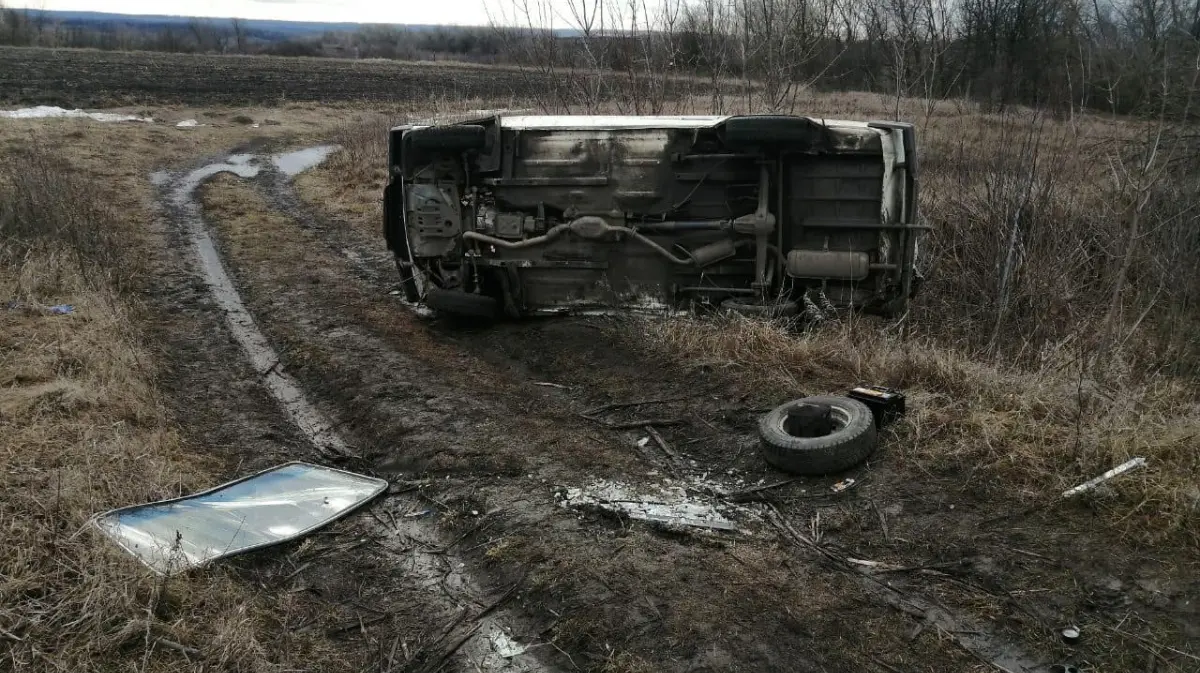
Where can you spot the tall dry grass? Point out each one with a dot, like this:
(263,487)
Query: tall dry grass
(1023,435)
(82,430)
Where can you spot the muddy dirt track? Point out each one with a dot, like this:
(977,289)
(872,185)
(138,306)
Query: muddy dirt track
(474,561)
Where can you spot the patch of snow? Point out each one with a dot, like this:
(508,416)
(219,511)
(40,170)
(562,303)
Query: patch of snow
(50,111)
(160,178)
(187,124)
(295,163)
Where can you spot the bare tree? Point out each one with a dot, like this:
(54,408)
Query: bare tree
(239,35)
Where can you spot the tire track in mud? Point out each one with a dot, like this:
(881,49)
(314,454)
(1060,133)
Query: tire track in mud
(419,423)
(433,565)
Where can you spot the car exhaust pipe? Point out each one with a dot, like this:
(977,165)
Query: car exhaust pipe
(588,227)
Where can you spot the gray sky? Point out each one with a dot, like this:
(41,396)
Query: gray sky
(454,12)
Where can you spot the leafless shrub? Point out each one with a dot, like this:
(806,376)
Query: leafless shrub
(44,205)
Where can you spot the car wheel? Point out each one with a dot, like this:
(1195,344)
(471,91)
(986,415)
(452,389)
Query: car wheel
(410,280)
(852,440)
(461,304)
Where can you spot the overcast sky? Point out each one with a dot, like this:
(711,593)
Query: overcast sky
(456,12)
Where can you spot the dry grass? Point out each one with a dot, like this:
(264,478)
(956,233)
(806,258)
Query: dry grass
(83,429)
(1023,435)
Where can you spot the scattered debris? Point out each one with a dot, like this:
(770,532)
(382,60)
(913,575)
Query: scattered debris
(1063,668)
(547,384)
(273,506)
(35,308)
(504,645)
(188,124)
(842,485)
(659,504)
(1116,471)
(1070,635)
(886,404)
(50,111)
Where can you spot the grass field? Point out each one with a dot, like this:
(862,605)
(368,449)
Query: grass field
(1020,384)
(84,78)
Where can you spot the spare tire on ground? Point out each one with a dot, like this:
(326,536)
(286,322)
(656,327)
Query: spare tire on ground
(461,304)
(851,441)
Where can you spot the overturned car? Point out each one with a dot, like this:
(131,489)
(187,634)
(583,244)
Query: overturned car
(528,215)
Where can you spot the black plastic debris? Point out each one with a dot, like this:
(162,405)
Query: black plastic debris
(886,404)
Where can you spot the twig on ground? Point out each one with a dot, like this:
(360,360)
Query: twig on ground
(881,664)
(645,422)
(503,598)
(749,494)
(358,624)
(178,647)
(454,648)
(1151,643)
(638,403)
(662,443)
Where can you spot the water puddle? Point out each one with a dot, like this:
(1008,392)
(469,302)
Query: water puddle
(429,561)
(294,163)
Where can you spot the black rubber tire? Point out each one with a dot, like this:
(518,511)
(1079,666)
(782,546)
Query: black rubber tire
(408,280)
(845,447)
(454,138)
(462,304)
(764,310)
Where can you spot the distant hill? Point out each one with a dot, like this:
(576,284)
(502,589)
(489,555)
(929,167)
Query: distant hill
(262,28)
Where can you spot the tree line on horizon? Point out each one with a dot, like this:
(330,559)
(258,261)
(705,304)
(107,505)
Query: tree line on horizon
(1117,56)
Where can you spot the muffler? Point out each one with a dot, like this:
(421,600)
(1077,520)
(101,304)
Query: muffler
(828,264)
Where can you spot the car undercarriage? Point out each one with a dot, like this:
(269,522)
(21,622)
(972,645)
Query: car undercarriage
(529,215)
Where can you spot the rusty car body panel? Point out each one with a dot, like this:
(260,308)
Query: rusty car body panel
(546,214)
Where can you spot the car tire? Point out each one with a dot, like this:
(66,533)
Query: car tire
(848,445)
(461,304)
(765,310)
(454,138)
(409,282)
